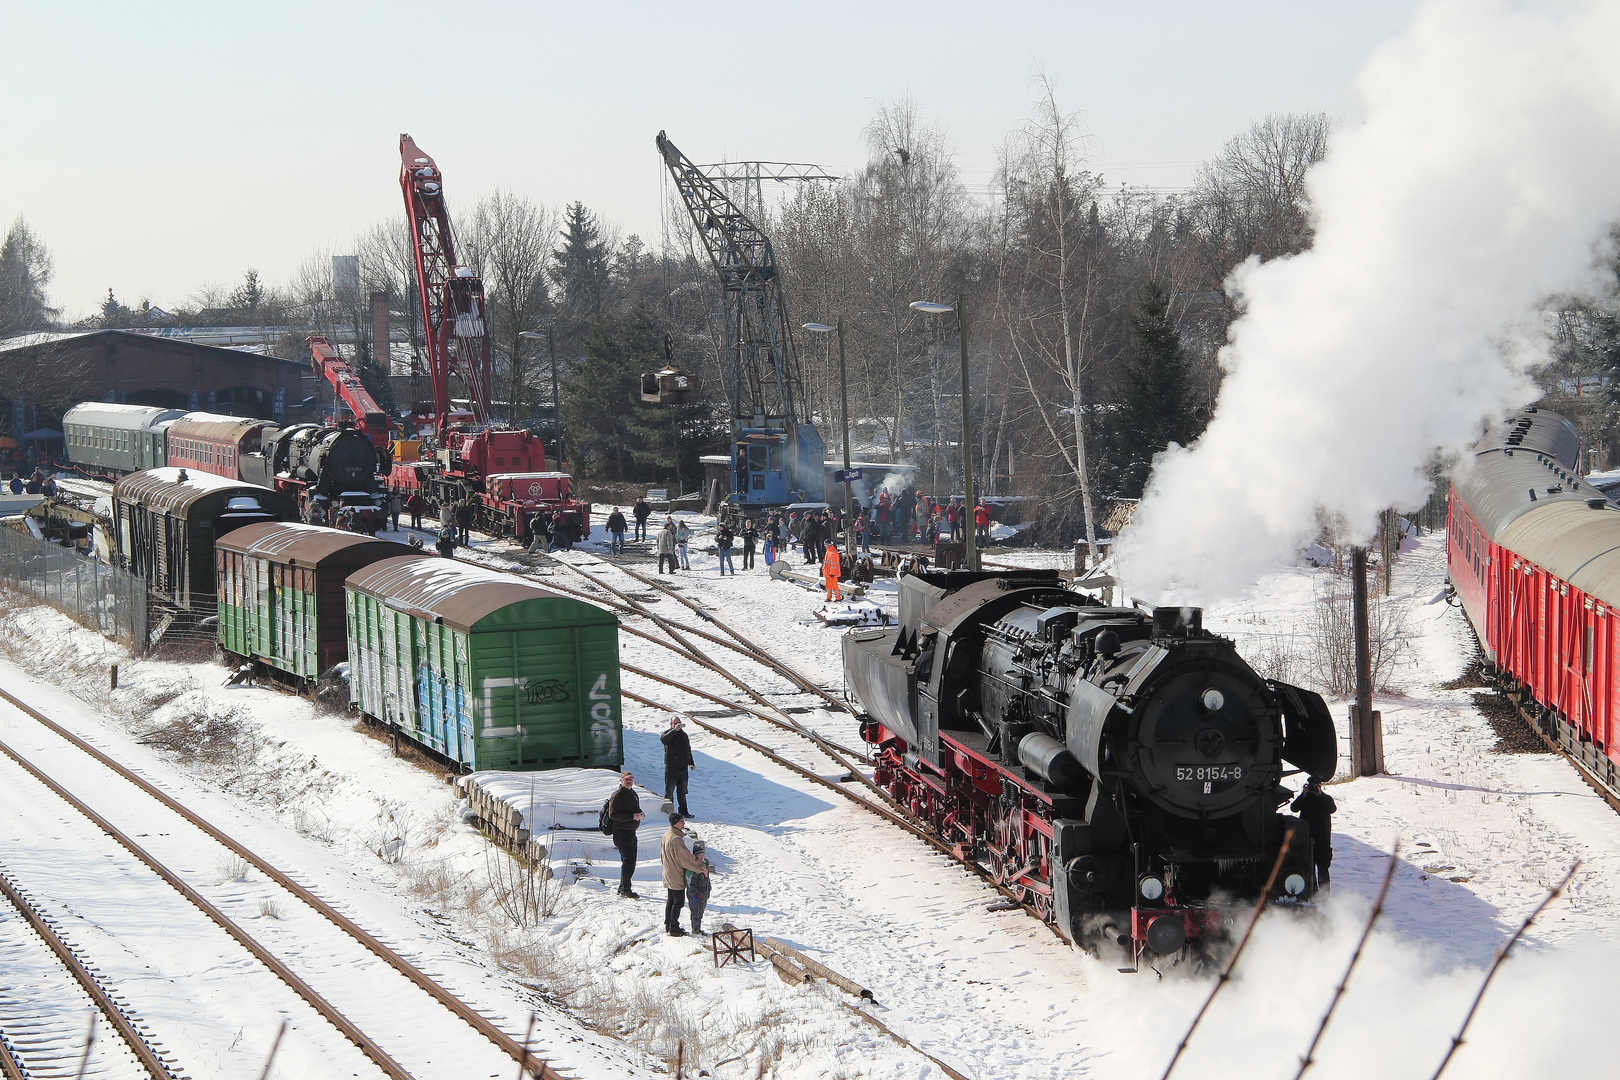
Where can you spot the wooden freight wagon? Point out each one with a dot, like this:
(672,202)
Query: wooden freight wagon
(165,524)
(281,593)
(487,669)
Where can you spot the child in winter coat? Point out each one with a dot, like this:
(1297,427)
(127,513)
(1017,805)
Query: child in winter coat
(698,885)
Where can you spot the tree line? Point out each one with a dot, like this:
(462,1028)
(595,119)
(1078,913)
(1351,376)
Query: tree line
(1095,310)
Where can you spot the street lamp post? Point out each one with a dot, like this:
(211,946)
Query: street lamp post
(843,387)
(556,398)
(971,548)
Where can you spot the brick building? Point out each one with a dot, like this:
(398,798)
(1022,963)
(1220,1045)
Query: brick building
(138,369)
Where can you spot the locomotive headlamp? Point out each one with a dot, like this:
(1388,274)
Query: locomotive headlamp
(1214,699)
(1166,934)
(1150,887)
(1293,884)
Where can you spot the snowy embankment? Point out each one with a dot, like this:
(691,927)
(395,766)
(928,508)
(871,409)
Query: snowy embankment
(993,993)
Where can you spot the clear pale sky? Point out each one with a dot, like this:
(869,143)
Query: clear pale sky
(155,147)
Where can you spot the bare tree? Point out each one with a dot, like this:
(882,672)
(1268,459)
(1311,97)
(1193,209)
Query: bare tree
(508,242)
(1252,196)
(1066,266)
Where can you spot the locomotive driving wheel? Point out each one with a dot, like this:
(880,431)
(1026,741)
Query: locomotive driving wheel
(1043,904)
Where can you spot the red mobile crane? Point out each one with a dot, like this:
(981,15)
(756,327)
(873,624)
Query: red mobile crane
(502,472)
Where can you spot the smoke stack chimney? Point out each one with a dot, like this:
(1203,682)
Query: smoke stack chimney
(379,332)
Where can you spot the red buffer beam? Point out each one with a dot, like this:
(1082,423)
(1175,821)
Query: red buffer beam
(452,296)
(369,417)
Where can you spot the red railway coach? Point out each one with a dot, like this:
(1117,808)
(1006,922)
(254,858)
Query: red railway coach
(208,442)
(1534,558)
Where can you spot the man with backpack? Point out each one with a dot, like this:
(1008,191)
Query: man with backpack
(623,811)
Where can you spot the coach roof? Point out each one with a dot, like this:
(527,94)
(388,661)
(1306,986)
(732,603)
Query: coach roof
(461,595)
(294,543)
(1575,543)
(163,489)
(1533,451)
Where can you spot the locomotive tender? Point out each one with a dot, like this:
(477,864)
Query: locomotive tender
(1095,760)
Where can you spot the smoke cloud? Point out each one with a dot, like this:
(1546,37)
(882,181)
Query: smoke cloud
(1482,182)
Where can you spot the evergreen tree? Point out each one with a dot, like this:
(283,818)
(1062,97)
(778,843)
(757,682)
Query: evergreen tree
(612,434)
(582,271)
(1156,402)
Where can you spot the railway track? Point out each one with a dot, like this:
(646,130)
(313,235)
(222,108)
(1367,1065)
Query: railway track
(874,798)
(447,1026)
(48,992)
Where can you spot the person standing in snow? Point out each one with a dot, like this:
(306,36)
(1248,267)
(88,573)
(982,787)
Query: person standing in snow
(464,516)
(395,505)
(665,544)
(615,528)
(641,511)
(678,763)
(1316,808)
(447,521)
(722,546)
(416,504)
(698,886)
(624,813)
(831,569)
(750,539)
(683,537)
(677,860)
(810,537)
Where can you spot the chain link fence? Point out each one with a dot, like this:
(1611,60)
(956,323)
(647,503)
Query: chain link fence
(86,590)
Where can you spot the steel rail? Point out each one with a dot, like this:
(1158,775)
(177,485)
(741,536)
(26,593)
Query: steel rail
(699,657)
(778,665)
(897,816)
(154,1065)
(9,1069)
(501,1039)
(323,1007)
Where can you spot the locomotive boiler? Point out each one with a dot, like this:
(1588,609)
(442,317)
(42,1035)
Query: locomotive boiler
(333,470)
(1120,771)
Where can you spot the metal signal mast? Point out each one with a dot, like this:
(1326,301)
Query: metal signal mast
(776,453)
(451,295)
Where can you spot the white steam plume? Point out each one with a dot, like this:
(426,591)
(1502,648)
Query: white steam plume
(1481,182)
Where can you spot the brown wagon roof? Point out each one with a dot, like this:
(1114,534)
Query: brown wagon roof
(296,544)
(457,593)
(162,489)
(200,425)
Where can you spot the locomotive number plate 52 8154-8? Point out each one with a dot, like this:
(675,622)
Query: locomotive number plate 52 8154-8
(1199,774)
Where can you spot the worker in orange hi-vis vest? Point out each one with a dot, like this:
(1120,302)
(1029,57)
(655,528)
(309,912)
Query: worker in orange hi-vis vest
(831,567)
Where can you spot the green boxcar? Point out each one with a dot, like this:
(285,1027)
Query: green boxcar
(488,669)
(281,592)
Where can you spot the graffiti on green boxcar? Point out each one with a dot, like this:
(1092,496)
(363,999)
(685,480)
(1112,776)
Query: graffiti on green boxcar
(604,734)
(544,691)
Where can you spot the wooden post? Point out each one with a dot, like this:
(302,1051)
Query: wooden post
(1364,735)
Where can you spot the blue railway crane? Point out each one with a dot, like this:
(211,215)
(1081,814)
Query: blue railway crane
(776,453)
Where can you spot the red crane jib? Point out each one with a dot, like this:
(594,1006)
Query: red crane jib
(368,415)
(451,295)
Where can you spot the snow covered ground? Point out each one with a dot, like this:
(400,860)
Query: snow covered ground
(994,994)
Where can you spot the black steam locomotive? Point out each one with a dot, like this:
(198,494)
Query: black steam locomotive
(333,470)
(1094,760)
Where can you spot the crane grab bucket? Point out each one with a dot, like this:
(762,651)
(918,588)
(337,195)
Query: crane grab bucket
(668,387)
